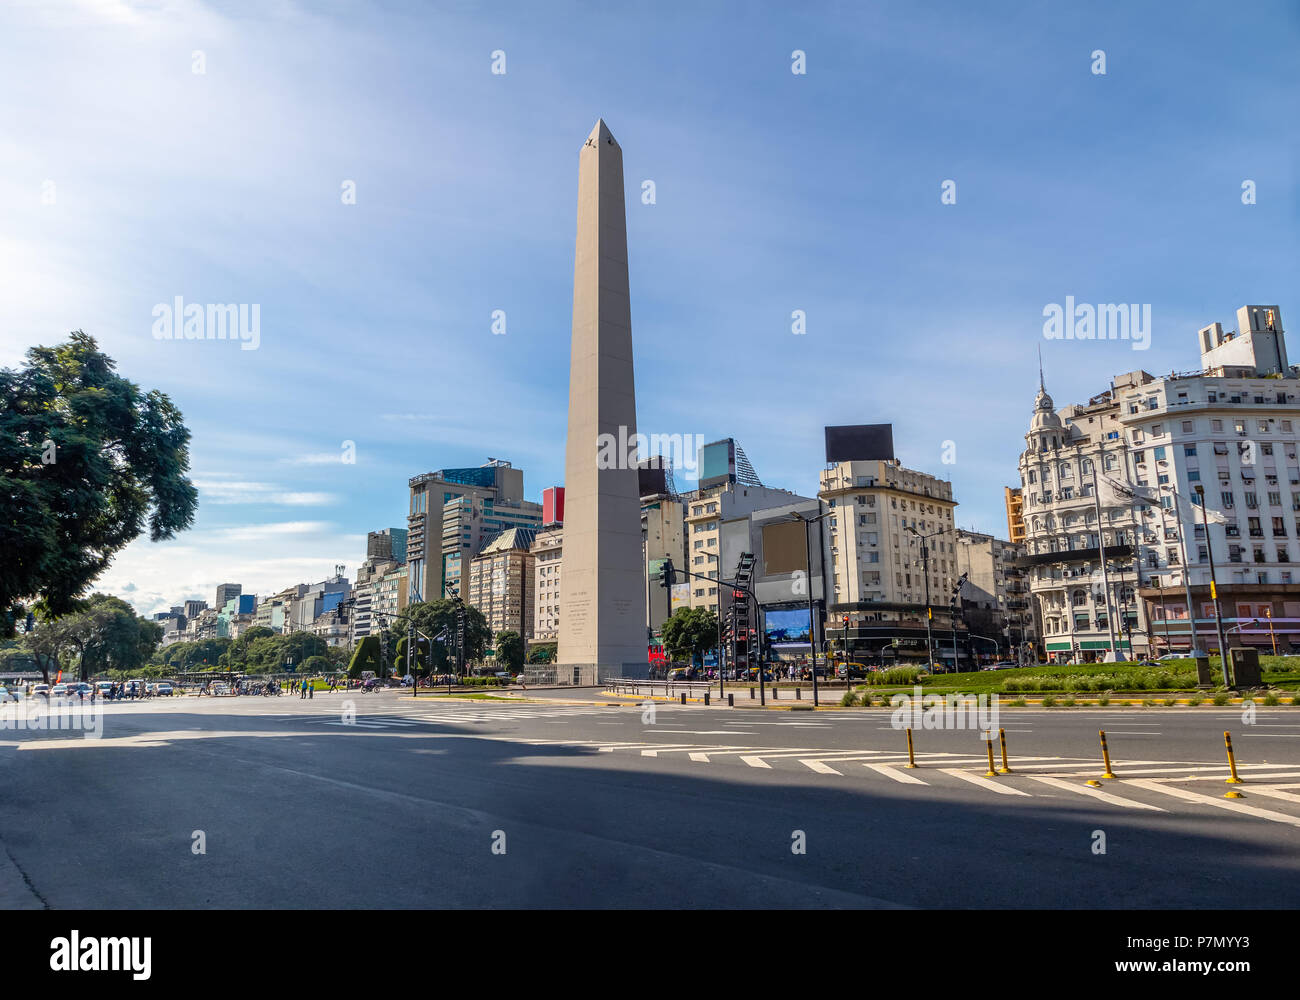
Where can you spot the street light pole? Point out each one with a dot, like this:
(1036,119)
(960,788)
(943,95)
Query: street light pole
(812,620)
(1214,590)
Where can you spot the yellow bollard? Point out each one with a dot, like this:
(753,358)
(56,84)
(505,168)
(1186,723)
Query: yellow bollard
(1002,738)
(1105,753)
(1232,767)
(989,743)
(911,759)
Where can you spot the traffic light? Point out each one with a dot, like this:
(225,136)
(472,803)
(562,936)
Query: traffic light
(667,575)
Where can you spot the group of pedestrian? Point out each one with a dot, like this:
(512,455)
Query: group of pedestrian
(308,689)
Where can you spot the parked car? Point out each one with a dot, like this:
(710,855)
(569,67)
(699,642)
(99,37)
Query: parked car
(41,689)
(219,689)
(162,688)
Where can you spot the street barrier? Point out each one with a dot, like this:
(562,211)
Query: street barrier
(911,757)
(1002,738)
(731,700)
(988,742)
(1232,768)
(1105,756)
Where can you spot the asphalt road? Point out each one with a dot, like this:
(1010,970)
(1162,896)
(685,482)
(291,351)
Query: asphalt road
(566,801)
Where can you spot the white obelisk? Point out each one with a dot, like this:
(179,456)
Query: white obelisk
(602,605)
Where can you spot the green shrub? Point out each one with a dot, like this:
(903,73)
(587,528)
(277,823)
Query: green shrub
(1295,699)
(1194,700)
(1271,699)
(1221,697)
(1148,703)
(1170,702)
(895,676)
(1067,702)
(1019,702)
(1103,701)
(850,699)
(1048,701)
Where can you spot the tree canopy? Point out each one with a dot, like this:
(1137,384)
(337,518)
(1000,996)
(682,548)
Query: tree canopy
(87,461)
(690,632)
(509,646)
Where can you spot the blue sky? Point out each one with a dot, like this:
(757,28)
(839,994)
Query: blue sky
(774,192)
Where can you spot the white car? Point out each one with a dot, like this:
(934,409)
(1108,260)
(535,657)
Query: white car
(59,691)
(42,689)
(104,688)
(220,689)
(162,688)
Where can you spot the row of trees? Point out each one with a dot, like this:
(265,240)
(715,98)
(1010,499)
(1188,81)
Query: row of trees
(99,635)
(258,650)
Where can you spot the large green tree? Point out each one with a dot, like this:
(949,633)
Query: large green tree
(87,461)
(510,650)
(690,632)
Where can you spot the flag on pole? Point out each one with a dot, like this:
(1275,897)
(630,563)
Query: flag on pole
(1191,511)
(1117,493)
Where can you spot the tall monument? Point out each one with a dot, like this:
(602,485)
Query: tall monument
(602,606)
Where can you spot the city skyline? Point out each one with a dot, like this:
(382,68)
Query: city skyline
(463,211)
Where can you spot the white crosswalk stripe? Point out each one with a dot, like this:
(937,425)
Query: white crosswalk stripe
(1232,805)
(992,784)
(1095,793)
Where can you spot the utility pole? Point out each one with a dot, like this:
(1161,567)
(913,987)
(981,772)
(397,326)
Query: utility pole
(1214,590)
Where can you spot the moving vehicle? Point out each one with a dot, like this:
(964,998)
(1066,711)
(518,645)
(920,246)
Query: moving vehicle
(59,691)
(1005,665)
(219,689)
(104,687)
(163,688)
(41,689)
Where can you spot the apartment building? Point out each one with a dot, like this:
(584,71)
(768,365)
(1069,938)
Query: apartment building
(878,510)
(995,600)
(1081,554)
(548,556)
(501,582)
(1230,428)
(484,501)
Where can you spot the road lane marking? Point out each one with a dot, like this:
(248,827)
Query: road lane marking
(1232,805)
(1093,792)
(1272,792)
(897,775)
(756,762)
(988,783)
(819,767)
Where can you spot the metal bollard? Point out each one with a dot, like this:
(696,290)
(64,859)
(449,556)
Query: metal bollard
(731,700)
(683,697)
(911,759)
(751,692)
(706,699)
(1105,755)
(1232,768)
(774,692)
(991,773)
(798,694)
(1002,738)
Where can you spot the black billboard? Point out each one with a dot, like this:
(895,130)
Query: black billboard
(859,442)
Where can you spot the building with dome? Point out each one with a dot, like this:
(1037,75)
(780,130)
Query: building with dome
(1231,428)
(1082,556)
